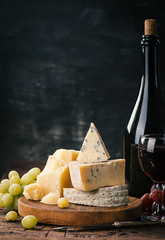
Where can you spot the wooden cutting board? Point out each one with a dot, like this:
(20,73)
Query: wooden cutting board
(78,215)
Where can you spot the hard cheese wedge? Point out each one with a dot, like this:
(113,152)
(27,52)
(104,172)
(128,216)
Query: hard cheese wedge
(93,148)
(91,176)
(102,197)
(55,175)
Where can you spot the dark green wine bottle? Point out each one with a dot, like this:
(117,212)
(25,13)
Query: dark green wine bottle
(148,115)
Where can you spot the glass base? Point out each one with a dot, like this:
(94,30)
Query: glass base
(157,218)
(154,218)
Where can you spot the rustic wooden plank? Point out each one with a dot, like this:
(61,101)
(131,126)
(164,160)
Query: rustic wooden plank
(4,237)
(10,229)
(14,230)
(121,234)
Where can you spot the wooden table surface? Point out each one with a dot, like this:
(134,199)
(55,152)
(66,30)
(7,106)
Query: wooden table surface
(14,230)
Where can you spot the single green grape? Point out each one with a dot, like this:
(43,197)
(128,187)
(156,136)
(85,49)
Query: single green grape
(6,181)
(15,202)
(63,202)
(34,171)
(15,189)
(13,173)
(7,200)
(4,187)
(29,221)
(11,216)
(15,179)
(27,178)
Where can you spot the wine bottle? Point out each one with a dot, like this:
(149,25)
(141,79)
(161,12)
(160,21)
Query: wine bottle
(148,115)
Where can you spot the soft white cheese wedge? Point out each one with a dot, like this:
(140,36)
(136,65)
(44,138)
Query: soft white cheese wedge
(91,176)
(102,197)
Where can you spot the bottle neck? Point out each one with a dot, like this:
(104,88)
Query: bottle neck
(150,55)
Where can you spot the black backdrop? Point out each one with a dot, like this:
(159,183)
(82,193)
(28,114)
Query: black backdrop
(65,63)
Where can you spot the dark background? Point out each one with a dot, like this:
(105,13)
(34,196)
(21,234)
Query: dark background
(65,63)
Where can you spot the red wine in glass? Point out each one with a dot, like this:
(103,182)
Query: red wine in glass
(151,153)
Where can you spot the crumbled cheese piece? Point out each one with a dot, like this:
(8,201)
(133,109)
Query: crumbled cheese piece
(50,198)
(33,192)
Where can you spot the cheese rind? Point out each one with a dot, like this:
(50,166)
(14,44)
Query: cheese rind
(55,175)
(102,197)
(93,148)
(91,176)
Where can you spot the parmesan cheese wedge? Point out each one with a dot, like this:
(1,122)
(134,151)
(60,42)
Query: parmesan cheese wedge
(93,148)
(55,176)
(91,176)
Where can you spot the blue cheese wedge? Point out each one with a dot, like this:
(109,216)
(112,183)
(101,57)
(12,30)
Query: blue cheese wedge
(102,197)
(91,176)
(93,148)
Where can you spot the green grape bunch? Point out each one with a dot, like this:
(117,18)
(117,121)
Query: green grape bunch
(11,189)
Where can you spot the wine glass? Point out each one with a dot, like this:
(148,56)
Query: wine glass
(151,153)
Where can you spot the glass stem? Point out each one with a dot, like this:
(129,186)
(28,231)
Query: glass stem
(160,196)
